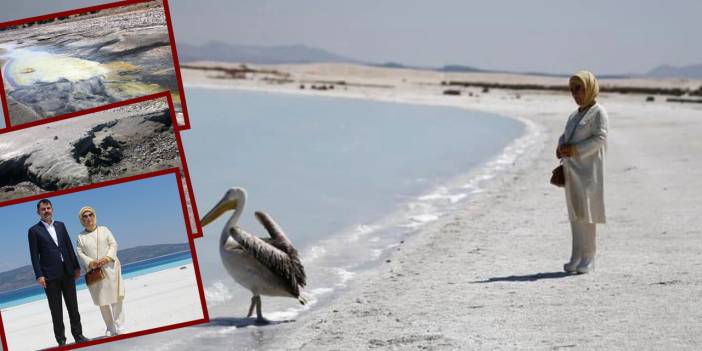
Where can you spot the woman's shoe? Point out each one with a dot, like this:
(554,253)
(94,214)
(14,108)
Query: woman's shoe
(586,266)
(572,266)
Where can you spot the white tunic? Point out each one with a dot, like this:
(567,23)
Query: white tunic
(92,246)
(584,172)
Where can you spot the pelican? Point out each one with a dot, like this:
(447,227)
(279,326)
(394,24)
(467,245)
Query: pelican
(265,266)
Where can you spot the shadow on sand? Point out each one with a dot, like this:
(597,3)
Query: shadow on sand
(73,343)
(526,278)
(239,322)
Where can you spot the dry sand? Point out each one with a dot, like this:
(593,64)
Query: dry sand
(489,276)
(152,300)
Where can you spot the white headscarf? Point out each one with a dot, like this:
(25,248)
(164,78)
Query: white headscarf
(589,83)
(82,221)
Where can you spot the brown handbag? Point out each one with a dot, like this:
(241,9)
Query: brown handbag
(558,177)
(96,274)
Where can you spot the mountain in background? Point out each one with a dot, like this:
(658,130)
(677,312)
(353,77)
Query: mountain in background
(666,71)
(390,64)
(24,276)
(219,51)
(460,69)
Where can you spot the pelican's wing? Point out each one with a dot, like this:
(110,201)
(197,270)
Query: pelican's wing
(268,255)
(281,241)
(274,230)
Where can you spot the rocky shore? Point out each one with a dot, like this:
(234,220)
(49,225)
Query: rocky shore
(106,145)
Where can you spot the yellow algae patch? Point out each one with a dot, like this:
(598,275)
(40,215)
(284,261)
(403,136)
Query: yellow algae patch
(121,67)
(28,67)
(132,89)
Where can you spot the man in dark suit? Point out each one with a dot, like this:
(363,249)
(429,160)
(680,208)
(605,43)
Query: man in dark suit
(56,269)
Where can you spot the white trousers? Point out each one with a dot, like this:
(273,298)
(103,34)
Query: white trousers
(113,315)
(584,245)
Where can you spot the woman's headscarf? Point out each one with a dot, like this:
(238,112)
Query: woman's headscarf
(80,217)
(589,83)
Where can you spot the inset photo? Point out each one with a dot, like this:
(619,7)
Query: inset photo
(98,265)
(97,147)
(68,62)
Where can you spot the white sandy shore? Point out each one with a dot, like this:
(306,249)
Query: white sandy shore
(152,300)
(489,276)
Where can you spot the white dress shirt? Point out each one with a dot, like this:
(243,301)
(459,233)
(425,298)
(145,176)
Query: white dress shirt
(52,231)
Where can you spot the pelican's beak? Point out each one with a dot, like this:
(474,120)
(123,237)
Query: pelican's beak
(227,203)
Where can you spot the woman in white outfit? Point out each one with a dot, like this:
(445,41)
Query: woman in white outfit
(582,149)
(97,248)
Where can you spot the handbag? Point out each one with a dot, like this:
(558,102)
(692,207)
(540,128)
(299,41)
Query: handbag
(558,177)
(96,274)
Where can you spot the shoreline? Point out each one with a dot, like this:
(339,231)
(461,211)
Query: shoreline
(81,286)
(480,176)
(490,276)
(465,183)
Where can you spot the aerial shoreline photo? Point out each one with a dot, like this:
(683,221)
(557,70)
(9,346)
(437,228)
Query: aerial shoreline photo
(454,176)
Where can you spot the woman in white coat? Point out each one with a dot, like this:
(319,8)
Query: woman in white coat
(97,248)
(582,149)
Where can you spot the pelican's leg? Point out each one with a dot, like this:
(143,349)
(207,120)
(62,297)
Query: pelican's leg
(259,314)
(251,308)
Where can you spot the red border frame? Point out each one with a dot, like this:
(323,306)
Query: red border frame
(174,55)
(193,253)
(181,154)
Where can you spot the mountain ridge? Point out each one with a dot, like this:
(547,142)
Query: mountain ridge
(296,54)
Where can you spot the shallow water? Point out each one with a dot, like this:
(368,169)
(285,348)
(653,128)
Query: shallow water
(346,179)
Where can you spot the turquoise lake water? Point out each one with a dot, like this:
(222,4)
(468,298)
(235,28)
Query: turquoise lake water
(35,293)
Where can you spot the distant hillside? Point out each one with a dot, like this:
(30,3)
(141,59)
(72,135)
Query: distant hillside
(223,52)
(666,71)
(460,69)
(218,51)
(24,276)
(390,65)
(140,253)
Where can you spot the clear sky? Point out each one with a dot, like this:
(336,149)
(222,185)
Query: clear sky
(143,212)
(608,37)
